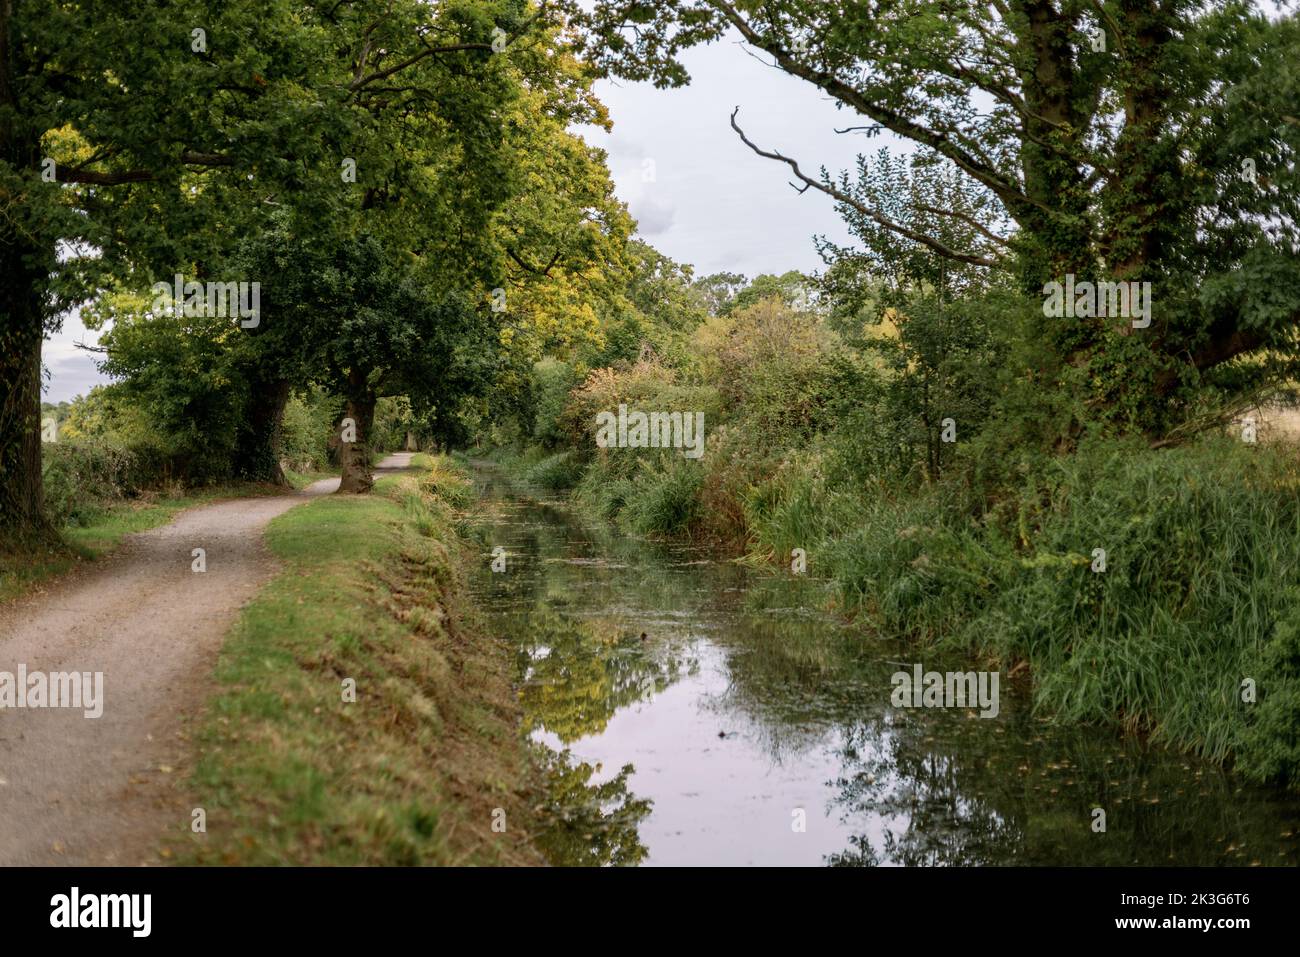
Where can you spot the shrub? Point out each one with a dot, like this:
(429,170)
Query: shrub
(1197,593)
(307,428)
(664,498)
(551,383)
(556,472)
(82,477)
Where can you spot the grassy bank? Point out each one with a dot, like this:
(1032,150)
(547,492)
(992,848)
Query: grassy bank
(418,767)
(942,495)
(1189,634)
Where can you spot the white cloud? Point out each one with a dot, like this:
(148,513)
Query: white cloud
(72,370)
(653,217)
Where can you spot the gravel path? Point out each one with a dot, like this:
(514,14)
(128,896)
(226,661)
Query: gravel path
(78,790)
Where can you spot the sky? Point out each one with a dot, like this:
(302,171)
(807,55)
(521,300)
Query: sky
(713,203)
(698,193)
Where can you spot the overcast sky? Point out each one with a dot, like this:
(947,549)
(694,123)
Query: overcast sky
(710,201)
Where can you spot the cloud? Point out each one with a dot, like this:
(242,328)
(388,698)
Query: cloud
(72,370)
(717,205)
(653,217)
(70,377)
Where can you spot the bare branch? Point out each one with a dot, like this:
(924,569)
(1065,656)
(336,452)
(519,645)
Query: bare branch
(840,196)
(1005,188)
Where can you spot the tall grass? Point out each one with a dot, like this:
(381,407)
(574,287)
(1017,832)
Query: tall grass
(1198,593)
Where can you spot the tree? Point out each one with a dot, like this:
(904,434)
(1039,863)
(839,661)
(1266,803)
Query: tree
(105,111)
(719,290)
(792,288)
(1113,135)
(136,139)
(391,334)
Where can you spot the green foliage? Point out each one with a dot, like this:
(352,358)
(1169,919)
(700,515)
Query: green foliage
(307,429)
(1194,598)
(791,289)
(1270,749)
(1178,168)
(393,419)
(562,470)
(552,381)
(666,498)
(768,363)
(175,373)
(82,478)
(909,397)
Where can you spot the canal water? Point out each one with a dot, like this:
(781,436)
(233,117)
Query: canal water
(690,710)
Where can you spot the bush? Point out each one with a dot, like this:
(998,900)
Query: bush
(1269,747)
(555,472)
(447,481)
(82,478)
(307,428)
(551,383)
(393,419)
(663,499)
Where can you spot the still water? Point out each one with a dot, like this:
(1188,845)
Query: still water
(749,709)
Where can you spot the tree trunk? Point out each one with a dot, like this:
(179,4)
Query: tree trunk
(22,498)
(23,268)
(354,456)
(1057,217)
(257,456)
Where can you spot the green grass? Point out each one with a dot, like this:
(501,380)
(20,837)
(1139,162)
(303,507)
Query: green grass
(413,769)
(1198,595)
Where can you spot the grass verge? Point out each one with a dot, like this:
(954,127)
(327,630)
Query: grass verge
(415,770)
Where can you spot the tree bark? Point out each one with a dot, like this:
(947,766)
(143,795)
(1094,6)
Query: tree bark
(1057,218)
(354,457)
(22,499)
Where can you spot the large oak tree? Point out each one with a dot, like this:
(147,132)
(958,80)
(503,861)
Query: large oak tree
(138,137)
(1137,140)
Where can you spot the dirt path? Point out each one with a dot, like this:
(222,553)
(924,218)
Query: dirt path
(78,790)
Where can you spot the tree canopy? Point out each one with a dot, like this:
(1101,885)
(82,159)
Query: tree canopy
(1117,140)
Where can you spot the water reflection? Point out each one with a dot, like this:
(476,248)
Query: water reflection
(576,673)
(586,822)
(746,703)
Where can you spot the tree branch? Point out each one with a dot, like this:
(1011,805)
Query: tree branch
(76,174)
(1005,188)
(840,196)
(968,220)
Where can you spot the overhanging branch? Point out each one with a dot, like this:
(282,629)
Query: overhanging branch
(840,196)
(77,174)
